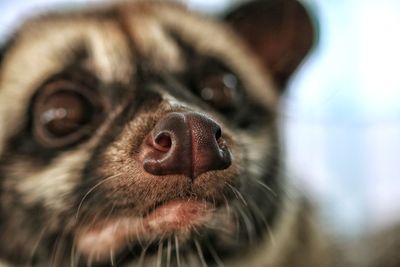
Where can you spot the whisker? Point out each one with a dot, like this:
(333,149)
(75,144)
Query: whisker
(36,245)
(231,212)
(110,212)
(262,184)
(257,212)
(73,257)
(92,189)
(112,257)
(169,250)
(159,253)
(237,194)
(271,235)
(219,229)
(58,249)
(200,253)
(196,230)
(142,256)
(141,240)
(248,224)
(178,260)
(254,207)
(90,260)
(227,206)
(214,254)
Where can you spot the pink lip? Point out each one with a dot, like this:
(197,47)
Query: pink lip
(111,238)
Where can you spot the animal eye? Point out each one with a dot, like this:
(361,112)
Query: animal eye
(64,113)
(221,90)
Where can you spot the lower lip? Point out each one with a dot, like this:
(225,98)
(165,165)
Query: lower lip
(179,216)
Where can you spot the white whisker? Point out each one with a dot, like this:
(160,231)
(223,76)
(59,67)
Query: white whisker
(159,254)
(215,256)
(237,194)
(92,189)
(178,260)
(112,257)
(36,245)
(200,253)
(142,256)
(269,189)
(169,249)
(248,224)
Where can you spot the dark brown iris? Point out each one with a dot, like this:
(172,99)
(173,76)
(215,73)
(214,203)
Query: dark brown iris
(64,113)
(220,90)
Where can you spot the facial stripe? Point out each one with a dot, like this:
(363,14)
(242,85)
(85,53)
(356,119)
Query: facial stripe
(211,38)
(52,186)
(111,58)
(24,70)
(151,26)
(55,47)
(153,44)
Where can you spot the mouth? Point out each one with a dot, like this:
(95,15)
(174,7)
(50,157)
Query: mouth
(177,217)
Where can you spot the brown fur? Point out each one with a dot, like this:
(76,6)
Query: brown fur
(114,41)
(49,197)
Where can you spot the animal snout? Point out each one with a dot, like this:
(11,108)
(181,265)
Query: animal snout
(185,143)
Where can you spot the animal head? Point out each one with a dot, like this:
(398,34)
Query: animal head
(139,129)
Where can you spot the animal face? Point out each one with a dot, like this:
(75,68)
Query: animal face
(135,132)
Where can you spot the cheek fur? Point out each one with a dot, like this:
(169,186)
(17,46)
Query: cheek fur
(49,187)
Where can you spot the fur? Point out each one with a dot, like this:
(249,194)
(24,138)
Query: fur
(140,61)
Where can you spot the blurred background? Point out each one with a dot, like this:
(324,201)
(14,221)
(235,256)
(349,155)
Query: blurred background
(341,114)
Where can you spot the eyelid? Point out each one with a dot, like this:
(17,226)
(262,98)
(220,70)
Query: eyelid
(50,88)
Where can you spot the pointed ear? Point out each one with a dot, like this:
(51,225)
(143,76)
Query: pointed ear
(1,55)
(3,50)
(280,32)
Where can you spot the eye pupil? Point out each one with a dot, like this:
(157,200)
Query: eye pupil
(207,93)
(220,90)
(230,81)
(63,113)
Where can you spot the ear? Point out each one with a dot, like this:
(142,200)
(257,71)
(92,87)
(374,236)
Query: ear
(1,58)
(4,46)
(1,55)
(280,32)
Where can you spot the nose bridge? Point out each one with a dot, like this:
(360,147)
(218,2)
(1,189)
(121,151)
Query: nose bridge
(171,98)
(207,153)
(202,133)
(176,96)
(173,124)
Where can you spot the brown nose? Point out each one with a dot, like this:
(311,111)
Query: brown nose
(186,143)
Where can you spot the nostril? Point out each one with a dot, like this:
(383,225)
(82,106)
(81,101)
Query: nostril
(163,142)
(218,134)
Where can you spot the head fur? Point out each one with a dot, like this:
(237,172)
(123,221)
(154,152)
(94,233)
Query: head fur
(134,64)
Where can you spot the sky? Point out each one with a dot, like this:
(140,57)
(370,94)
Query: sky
(342,115)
